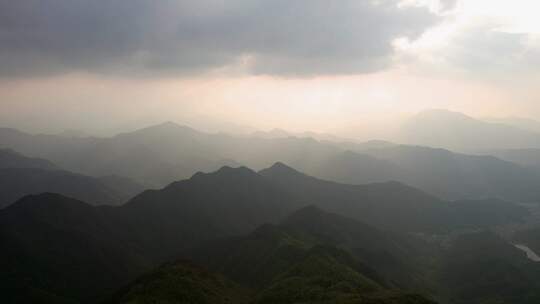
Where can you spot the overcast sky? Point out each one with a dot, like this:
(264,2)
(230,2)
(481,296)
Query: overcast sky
(334,66)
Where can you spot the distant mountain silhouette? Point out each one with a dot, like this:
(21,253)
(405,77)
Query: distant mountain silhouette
(518,122)
(158,155)
(153,156)
(459,132)
(272,134)
(440,172)
(390,205)
(126,188)
(460,176)
(357,168)
(362,146)
(523,157)
(19,182)
(21,176)
(13,159)
(279,133)
(73,133)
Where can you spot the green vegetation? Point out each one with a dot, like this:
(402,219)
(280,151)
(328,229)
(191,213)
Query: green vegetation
(321,275)
(181,282)
(483,268)
(58,249)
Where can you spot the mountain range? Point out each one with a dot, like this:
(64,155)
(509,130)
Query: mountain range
(21,176)
(60,248)
(459,132)
(159,155)
(274,264)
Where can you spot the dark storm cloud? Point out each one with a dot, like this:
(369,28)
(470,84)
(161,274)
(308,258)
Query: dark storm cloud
(145,37)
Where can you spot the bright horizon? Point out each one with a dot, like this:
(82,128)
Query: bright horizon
(476,57)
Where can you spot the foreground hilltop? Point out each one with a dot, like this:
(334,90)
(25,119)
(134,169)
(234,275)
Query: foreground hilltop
(48,235)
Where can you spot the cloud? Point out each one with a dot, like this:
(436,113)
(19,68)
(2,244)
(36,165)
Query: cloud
(446,5)
(487,50)
(147,37)
(501,45)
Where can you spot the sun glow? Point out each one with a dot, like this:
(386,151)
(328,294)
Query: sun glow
(491,17)
(520,16)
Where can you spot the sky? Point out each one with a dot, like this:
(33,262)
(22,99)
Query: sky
(347,67)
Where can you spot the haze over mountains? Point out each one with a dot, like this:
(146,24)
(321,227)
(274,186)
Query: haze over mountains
(458,132)
(455,131)
(518,122)
(12,159)
(269,152)
(264,218)
(21,176)
(158,155)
